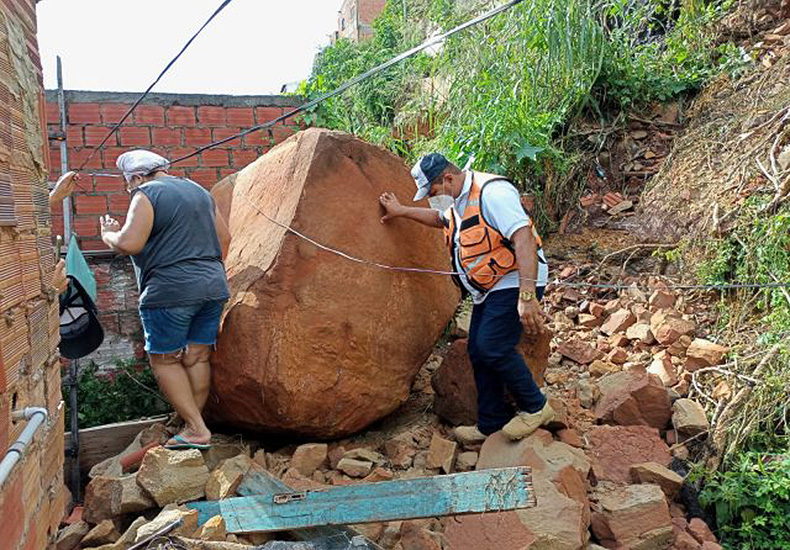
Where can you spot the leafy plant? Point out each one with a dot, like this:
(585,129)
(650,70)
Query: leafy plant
(127,393)
(752,502)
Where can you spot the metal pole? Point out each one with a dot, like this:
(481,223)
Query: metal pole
(74,449)
(64,153)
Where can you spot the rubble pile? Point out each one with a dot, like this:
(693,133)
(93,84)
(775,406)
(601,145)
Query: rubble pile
(618,375)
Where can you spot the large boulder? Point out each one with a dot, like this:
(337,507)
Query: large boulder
(313,344)
(561,519)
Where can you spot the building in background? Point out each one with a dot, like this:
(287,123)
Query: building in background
(355,19)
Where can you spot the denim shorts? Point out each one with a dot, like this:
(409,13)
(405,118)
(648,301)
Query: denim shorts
(171,329)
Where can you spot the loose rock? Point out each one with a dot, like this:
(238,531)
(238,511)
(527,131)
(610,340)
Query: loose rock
(656,474)
(213,529)
(618,322)
(636,516)
(105,532)
(110,497)
(441,454)
(633,398)
(704,353)
(689,418)
(309,457)
(189,521)
(173,476)
(354,468)
(71,535)
(466,461)
(581,352)
(615,449)
(223,482)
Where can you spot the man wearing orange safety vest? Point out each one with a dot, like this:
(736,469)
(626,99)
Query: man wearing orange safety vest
(498,259)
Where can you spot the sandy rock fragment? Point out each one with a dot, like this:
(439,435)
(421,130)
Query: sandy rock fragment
(700,531)
(354,468)
(441,454)
(70,536)
(309,457)
(689,418)
(704,353)
(225,480)
(213,529)
(110,497)
(173,476)
(169,514)
(633,398)
(579,351)
(661,299)
(668,326)
(105,532)
(656,474)
(641,333)
(618,322)
(635,516)
(466,461)
(661,366)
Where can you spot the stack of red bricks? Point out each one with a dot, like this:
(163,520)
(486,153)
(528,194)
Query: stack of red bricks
(169,124)
(33,498)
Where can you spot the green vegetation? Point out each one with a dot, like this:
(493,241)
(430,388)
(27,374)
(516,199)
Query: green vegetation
(506,91)
(752,502)
(127,393)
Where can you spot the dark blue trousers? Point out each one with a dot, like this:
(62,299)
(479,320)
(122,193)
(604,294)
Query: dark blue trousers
(494,333)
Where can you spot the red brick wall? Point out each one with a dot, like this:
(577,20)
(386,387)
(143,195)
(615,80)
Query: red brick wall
(33,498)
(169,124)
(172,125)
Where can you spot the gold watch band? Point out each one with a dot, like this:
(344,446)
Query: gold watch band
(527,295)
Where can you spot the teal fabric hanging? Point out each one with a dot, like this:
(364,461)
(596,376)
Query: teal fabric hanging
(77,267)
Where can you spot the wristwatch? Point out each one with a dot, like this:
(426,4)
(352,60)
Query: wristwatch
(527,295)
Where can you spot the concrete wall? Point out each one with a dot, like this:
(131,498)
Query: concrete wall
(33,499)
(172,125)
(355,18)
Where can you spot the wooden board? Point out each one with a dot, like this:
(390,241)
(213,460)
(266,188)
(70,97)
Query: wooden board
(456,494)
(102,442)
(260,482)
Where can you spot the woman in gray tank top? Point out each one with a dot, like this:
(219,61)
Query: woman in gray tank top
(177,242)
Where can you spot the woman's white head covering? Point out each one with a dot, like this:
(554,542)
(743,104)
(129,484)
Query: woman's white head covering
(140,163)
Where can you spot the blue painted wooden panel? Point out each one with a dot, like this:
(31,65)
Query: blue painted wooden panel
(471,492)
(260,482)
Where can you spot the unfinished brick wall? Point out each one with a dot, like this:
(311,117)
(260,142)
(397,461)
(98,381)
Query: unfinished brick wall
(171,125)
(33,498)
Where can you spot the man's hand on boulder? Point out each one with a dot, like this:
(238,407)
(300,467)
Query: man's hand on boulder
(392,206)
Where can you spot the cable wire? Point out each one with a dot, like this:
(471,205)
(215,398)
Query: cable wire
(356,80)
(115,128)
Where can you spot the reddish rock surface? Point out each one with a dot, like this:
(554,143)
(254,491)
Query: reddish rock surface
(313,344)
(636,516)
(561,519)
(453,382)
(632,399)
(615,449)
(579,351)
(223,195)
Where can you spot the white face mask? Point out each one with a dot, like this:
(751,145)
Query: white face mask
(440,202)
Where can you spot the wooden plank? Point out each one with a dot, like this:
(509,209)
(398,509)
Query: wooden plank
(102,442)
(456,494)
(260,482)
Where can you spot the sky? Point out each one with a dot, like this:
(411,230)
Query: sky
(252,48)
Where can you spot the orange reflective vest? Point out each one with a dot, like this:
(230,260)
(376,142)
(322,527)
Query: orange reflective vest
(484,253)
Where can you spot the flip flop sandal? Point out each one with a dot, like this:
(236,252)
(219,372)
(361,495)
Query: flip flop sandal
(185,444)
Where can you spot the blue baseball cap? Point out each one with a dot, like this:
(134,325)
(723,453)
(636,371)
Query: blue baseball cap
(427,169)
